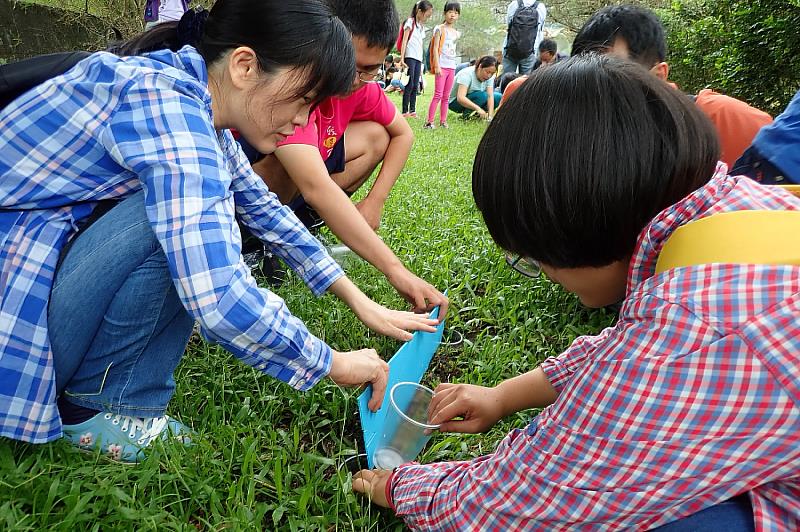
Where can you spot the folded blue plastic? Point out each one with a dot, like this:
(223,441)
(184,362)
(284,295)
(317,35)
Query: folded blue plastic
(409,364)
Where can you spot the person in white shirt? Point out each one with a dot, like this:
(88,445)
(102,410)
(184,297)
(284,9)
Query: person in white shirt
(443,63)
(524,65)
(411,53)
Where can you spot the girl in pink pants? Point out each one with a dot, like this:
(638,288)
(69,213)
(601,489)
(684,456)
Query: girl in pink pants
(443,63)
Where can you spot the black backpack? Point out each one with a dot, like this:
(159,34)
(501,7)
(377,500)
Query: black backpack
(522,31)
(21,76)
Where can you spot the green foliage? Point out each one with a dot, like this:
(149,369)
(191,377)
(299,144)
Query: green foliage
(742,48)
(266,456)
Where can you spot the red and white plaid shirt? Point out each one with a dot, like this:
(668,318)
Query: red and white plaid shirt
(690,399)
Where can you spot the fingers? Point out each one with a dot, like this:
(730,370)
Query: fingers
(379,382)
(362,481)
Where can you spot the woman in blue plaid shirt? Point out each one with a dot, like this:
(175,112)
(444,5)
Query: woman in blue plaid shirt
(97,308)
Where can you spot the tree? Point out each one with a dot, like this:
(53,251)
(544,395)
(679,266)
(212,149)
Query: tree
(744,48)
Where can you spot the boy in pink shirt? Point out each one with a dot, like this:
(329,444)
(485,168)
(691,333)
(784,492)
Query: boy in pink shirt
(324,163)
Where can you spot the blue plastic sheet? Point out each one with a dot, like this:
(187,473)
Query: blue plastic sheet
(409,364)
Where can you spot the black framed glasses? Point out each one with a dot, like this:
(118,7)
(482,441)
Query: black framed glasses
(524,265)
(366,77)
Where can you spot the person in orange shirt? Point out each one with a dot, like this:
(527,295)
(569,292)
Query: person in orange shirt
(636,33)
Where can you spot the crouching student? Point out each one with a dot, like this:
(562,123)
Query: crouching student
(120,190)
(687,407)
(317,168)
(473,90)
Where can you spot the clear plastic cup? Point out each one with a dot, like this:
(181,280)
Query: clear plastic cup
(406,429)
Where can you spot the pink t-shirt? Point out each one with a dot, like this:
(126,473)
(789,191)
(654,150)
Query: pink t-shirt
(330,119)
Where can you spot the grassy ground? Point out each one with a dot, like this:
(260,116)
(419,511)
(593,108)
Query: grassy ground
(266,457)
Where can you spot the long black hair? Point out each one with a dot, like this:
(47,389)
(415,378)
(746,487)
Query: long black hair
(300,34)
(582,158)
(422,5)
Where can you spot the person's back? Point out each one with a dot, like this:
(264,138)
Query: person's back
(635,33)
(774,156)
(525,23)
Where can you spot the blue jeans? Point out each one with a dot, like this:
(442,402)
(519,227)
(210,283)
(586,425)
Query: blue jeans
(479,98)
(524,65)
(117,328)
(412,87)
(733,515)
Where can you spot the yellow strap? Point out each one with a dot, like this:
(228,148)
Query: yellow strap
(740,237)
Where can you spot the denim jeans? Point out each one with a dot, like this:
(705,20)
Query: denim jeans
(524,65)
(117,327)
(733,515)
(479,98)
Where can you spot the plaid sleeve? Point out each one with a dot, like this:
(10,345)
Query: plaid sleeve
(558,370)
(162,132)
(261,211)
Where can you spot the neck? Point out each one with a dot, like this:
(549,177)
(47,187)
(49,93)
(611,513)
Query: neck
(220,121)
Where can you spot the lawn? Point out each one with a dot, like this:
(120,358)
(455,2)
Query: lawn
(266,456)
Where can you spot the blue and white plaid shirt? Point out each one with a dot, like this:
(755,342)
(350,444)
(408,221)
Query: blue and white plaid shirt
(105,129)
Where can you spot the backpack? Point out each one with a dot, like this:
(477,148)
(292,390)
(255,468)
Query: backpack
(522,31)
(151,8)
(399,43)
(19,77)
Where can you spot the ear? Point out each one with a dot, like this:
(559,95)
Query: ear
(243,67)
(660,70)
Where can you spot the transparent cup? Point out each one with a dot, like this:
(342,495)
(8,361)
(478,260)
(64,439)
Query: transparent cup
(406,429)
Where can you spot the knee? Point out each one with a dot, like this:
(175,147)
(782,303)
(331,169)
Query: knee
(377,141)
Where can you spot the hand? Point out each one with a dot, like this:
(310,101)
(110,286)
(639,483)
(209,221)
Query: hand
(403,65)
(421,294)
(355,368)
(372,483)
(483,114)
(393,323)
(437,71)
(371,211)
(480,408)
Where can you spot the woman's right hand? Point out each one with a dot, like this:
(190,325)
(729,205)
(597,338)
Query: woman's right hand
(354,368)
(478,407)
(483,114)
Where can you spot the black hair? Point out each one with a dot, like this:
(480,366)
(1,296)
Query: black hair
(452,6)
(639,26)
(583,156)
(392,70)
(507,78)
(548,45)
(374,20)
(389,59)
(422,5)
(486,61)
(270,28)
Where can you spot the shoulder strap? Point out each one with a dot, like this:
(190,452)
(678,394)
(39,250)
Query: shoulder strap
(744,237)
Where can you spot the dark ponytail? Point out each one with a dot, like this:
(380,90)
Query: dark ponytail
(299,34)
(422,5)
(486,61)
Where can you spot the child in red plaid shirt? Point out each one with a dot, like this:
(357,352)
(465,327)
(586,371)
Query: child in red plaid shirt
(683,413)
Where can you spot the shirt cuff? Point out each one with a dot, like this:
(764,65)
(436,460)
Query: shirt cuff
(556,372)
(388,490)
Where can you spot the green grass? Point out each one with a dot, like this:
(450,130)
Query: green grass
(265,455)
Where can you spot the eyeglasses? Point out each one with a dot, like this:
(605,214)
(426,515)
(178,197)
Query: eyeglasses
(524,265)
(366,77)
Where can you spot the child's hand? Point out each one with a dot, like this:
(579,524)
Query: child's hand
(437,71)
(394,323)
(355,368)
(371,211)
(372,483)
(421,294)
(480,408)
